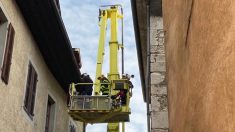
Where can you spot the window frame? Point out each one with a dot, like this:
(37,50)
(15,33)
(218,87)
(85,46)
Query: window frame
(7,50)
(52,115)
(30,91)
(5,15)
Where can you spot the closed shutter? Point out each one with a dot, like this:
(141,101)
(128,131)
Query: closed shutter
(8,54)
(33,94)
(26,101)
(48,116)
(30,90)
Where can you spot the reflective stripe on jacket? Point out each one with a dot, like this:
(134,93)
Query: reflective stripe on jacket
(104,87)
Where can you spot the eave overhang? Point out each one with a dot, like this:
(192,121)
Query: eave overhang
(139,11)
(140,28)
(47,28)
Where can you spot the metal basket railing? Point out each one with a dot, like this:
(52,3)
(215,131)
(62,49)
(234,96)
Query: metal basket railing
(83,102)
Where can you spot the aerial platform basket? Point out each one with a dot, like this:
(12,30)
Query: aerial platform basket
(96,109)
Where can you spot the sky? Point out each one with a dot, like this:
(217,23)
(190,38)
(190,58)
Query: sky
(81,21)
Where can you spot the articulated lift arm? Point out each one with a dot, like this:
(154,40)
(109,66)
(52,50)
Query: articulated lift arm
(112,14)
(102,108)
(100,55)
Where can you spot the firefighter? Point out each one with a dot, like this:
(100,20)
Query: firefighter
(122,95)
(104,88)
(85,89)
(128,77)
(88,88)
(82,88)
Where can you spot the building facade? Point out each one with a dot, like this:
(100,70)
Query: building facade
(200,64)
(33,96)
(148,23)
(199,69)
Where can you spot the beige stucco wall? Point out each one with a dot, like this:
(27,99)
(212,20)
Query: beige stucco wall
(13,118)
(200,56)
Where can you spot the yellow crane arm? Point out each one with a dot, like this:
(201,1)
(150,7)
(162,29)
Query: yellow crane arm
(100,55)
(112,110)
(112,14)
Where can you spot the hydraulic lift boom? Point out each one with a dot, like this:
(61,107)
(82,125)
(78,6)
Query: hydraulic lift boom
(100,108)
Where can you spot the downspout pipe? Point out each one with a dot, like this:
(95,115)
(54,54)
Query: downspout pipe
(148,77)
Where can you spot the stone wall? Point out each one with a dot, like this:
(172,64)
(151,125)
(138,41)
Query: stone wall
(159,106)
(13,117)
(200,56)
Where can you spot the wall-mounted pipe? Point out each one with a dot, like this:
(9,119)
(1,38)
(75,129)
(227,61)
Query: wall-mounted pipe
(148,77)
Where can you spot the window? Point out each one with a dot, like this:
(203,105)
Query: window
(30,91)
(50,115)
(7,34)
(72,127)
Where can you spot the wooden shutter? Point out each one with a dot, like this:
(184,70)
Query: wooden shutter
(33,94)
(30,90)
(26,101)
(48,115)
(8,54)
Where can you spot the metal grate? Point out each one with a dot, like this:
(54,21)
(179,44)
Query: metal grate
(83,102)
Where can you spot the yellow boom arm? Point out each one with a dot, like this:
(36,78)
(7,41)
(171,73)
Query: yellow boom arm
(112,106)
(100,55)
(114,15)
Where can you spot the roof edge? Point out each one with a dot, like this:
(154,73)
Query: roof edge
(138,46)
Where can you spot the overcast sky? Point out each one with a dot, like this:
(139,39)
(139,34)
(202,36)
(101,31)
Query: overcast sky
(81,21)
